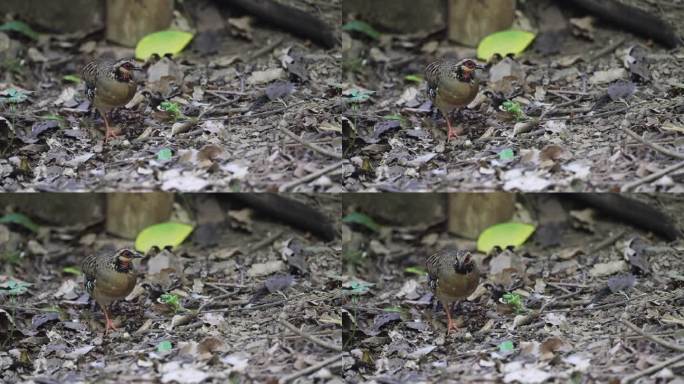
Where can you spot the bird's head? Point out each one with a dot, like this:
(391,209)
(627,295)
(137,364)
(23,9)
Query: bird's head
(466,67)
(464,263)
(123,259)
(123,69)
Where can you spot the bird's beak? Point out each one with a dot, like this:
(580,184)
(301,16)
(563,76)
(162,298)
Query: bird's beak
(479,66)
(137,255)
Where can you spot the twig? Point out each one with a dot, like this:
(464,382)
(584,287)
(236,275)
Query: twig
(656,147)
(654,176)
(313,176)
(265,242)
(607,242)
(653,369)
(311,369)
(607,49)
(265,49)
(309,337)
(312,146)
(653,338)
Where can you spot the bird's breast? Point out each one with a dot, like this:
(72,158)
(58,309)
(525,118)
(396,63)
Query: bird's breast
(456,286)
(113,285)
(453,93)
(111,93)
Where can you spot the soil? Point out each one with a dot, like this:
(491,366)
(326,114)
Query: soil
(573,138)
(565,331)
(238,132)
(228,328)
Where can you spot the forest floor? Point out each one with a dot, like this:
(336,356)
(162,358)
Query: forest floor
(591,123)
(257,109)
(568,328)
(236,300)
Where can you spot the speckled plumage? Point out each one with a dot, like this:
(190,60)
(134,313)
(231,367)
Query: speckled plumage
(109,84)
(452,275)
(451,84)
(109,276)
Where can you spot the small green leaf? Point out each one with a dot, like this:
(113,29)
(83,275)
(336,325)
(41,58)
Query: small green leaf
(171,300)
(395,116)
(161,43)
(415,270)
(162,235)
(504,235)
(514,109)
(72,270)
(363,27)
(392,309)
(52,117)
(514,300)
(164,346)
(357,287)
(504,43)
(506,154)
(17,288)
(15,96)
(71,79)
(164,154)
(358,95)
(506,346)
(172,108)
(20,219)
(361,219)
(21,27)
(414,78)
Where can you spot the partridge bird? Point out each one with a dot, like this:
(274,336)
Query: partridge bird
(109,277)
(452,275)
(109,84)
(451,84)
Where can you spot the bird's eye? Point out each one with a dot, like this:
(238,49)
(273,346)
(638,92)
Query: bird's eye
(469,64)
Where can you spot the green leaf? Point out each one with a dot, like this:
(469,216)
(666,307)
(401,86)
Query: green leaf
(164,154)
(17,288)
(504,43)
(514,109)
(363,27)
(358,287)
(15,96)
(395,116)
(506,346)
(71,78)
(72,270)
(164,346)
(506,154)
(415,270)
(162,235)
(358,95)
(514,300)
(21,27)
(172,108)
(171,300)
(504,235)
(392,309)
(52,117)
(414,78)
(21,219)
(361,219)
(161,43)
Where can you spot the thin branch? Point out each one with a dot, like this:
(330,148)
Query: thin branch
(312,146)
(313,176)
(309,337)
(658,148)
(311,369)
(653,338)
(654,176)
(653,369)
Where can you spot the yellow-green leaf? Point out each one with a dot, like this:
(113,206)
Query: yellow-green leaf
(162,235)
(504,43)
(161,43)
(504,235)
